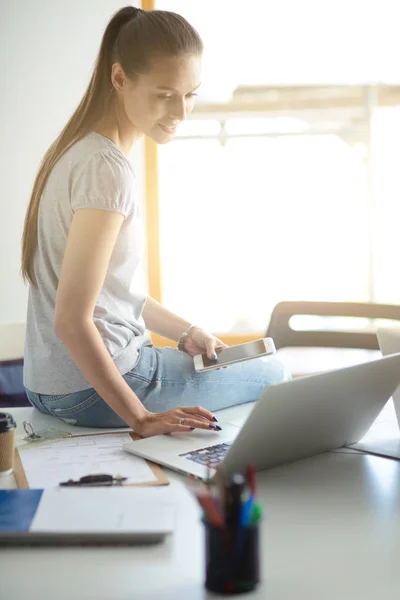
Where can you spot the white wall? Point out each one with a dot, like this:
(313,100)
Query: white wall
(47,48)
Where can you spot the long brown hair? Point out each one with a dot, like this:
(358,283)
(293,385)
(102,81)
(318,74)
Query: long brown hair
(131,38)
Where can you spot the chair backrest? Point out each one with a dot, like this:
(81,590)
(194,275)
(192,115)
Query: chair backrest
(12,392)
(284,336)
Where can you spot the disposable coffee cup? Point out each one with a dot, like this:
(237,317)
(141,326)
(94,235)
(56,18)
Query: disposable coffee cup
(7,443)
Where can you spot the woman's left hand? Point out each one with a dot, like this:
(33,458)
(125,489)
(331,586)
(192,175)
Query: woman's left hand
(201,341)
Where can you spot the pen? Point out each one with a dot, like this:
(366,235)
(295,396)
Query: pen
(248,505)
(251,512)
(211,508)
(246,511)
(94,480)
(256,513)
(234,503)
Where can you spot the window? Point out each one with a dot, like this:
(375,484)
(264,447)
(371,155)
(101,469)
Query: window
(255,208)
(257,220)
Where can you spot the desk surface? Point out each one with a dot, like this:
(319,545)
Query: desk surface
(331,531)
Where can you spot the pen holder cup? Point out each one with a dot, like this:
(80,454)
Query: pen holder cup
(232,564)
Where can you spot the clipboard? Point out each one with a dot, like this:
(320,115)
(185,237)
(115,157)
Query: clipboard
(161,478)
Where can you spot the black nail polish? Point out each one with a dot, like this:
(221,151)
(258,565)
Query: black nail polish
(192,428)
(218,427)
(215,418)
(211,426)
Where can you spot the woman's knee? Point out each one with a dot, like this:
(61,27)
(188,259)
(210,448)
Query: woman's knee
(265,371)
(275,370)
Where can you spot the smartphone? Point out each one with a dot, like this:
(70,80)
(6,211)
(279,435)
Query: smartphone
(235,354)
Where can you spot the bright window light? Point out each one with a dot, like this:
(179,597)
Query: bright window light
(198,127)
(265,125)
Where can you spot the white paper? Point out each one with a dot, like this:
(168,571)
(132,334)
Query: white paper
(72,458)
(104,510)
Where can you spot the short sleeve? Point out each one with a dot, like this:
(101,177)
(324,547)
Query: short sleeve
(105,181)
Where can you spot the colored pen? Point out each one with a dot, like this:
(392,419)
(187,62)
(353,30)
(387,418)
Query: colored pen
(248,505)
(256,513)
(246,512)
(211,508)
(247,509)
(233,507)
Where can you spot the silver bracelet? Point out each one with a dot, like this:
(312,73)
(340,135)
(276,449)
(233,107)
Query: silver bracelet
(183,337)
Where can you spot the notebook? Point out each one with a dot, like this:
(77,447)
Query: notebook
(100,515)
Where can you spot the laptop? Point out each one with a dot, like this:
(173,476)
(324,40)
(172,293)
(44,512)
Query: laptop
(290,421)
(389,343)
(384,437)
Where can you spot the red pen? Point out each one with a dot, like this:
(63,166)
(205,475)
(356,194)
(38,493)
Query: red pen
(211,508)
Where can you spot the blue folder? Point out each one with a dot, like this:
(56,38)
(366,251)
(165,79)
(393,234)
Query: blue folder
(17,509)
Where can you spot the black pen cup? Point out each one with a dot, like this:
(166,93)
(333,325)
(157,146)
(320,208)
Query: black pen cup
(232,562)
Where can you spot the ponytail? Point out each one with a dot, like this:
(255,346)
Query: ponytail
(90,109)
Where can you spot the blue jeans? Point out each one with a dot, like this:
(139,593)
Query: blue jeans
(164,379)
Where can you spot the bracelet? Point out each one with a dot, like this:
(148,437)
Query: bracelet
(182,339)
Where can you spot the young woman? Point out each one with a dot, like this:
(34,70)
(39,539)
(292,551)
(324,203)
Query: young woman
(88,359)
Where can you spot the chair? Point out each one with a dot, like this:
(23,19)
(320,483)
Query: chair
(361,341)
(12,392)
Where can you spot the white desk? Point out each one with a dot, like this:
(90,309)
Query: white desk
(331,531)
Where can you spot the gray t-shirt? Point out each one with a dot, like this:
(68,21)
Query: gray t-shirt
(93,173)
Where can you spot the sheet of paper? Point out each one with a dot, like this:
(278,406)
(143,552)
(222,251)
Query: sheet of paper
(106,509)
(48,465)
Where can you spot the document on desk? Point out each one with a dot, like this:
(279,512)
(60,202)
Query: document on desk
(71,458)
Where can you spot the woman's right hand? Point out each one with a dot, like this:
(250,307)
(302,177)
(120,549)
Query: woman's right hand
(177,420)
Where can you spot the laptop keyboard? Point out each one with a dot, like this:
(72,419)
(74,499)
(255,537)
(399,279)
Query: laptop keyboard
(211,455)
